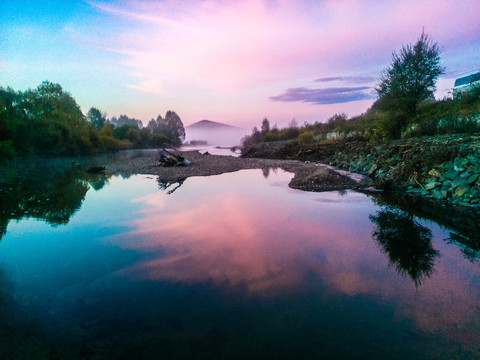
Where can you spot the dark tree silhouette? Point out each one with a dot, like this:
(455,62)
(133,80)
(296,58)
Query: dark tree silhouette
(265,126)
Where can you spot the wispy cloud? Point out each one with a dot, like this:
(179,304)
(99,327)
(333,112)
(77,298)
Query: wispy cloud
(232,46)
(325,96)
(349,79)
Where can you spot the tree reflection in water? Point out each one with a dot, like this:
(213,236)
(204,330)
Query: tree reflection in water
(470,246)
(170,186)
(52,190)
(406,242)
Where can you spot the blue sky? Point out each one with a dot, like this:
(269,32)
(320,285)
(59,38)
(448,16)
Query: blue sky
(228,61)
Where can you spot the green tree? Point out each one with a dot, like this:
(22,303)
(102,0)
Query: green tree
(128,132)
(46,121)
(96,117)
(410,79)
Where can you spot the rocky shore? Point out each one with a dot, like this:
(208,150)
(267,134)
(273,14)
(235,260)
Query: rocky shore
(307,176)
(444,168)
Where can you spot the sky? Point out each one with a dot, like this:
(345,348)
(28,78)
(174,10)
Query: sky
(235,62)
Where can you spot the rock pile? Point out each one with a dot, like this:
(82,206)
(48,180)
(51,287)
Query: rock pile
(445,168)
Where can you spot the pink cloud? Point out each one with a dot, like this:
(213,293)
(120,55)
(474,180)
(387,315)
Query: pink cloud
(190,52)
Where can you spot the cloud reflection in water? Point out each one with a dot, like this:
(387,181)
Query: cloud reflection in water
(235,230)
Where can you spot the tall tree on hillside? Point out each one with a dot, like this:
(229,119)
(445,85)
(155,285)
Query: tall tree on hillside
(410,79)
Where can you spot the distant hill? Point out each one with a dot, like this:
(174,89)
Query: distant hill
(215,133)
(210,125)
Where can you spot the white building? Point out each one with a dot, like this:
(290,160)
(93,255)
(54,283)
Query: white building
(466,82)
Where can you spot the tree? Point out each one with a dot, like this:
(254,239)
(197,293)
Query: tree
(410,79)
(265,126)
(128,132)
(158,126)
(96,118)
(174,125)
(152,126)
(125,120)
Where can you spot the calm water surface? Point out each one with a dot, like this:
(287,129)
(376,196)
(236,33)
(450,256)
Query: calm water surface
(236,266)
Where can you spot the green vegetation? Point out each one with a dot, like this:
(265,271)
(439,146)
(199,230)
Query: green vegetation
(409,80)
(47,121)
(405,106)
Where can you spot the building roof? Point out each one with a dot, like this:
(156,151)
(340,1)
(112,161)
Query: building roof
(466,80)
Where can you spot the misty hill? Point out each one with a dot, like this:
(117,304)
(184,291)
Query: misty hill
(215,133)
(208,124)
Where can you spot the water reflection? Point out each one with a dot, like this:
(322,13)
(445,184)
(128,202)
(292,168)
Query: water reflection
(270,240)
(406,243)
(470,249)
(20,336)
(463,223)
(50,190)
(266,172)
(229,262)
(168,186)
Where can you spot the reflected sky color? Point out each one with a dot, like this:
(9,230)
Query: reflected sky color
(243,236)
(270,239)
(229,61)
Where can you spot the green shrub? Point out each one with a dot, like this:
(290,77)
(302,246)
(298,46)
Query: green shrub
(305,138)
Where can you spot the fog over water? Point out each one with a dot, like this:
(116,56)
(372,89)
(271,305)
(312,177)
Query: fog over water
(216,134)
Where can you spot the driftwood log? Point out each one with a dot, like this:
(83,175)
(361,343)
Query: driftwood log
(168,158)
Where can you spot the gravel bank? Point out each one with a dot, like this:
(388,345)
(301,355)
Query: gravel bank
(307,177)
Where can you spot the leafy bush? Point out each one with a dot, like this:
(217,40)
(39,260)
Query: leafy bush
(305,138)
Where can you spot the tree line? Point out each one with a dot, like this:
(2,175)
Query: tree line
(405,105)
(47,121)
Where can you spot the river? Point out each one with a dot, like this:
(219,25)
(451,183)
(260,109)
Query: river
(234,266)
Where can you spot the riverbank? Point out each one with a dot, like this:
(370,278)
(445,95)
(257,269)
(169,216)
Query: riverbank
(443,168)
(307,176)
